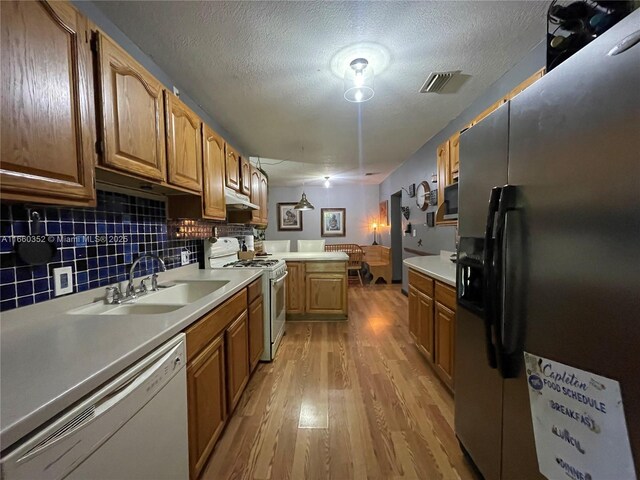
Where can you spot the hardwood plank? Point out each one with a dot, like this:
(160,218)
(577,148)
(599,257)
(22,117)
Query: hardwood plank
(344,400)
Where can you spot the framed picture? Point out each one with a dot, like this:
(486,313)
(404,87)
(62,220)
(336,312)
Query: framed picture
(289,219)
(384,213)
(333,222)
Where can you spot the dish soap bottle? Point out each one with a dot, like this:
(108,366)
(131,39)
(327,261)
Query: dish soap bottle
(244,246)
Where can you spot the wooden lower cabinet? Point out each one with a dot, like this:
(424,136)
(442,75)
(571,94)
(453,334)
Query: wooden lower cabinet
(295,287)
(206,403)
(218,368)
(256,331)
(444,333)
(432,323)
(237,359)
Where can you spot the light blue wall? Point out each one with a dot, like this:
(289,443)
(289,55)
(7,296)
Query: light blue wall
(422,164)
(110,28)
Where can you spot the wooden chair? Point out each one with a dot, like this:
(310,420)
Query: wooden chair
(378,258)
(355,253)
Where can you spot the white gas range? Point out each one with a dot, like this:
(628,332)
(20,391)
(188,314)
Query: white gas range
(224,254)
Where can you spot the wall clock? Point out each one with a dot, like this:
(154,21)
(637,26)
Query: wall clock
(422,195)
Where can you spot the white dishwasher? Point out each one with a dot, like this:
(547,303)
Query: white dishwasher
(134,427)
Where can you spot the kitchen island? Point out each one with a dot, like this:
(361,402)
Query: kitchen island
(316,285)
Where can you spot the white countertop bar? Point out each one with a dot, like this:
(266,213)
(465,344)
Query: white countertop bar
(436,266)
(311,256)
(50,359)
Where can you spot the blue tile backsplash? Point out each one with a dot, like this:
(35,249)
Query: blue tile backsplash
(99,244)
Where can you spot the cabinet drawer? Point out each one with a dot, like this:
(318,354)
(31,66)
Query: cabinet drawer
(205,329)
(326,267)
(446,295)
(254,290)
(421,282)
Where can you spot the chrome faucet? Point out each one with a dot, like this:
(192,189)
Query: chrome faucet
(131,289)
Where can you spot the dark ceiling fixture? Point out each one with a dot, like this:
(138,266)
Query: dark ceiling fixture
(571,27)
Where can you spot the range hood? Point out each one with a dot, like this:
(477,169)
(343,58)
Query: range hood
(238,201)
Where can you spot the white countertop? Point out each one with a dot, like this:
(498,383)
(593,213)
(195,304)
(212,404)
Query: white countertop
(436,266)
(311,256)
(50,359)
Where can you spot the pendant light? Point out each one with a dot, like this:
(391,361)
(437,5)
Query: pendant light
(358,81)
(304,204)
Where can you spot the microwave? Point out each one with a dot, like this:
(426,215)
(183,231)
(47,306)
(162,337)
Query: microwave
(451,202)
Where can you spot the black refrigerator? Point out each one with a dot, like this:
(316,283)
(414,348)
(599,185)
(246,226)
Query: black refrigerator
(549,257)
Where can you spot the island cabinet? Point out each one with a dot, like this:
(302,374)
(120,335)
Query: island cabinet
(217,373)
(317,290)
(432,307)
(184,145)
(295,288)
(131,115)
(47,152)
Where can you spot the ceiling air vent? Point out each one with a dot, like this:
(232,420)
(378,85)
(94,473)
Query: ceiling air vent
(436,81)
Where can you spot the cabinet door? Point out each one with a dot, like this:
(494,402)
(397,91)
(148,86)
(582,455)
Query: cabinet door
(295,287)
(256,215)
(232,168)
(237,342)
(413,313)
(264,199)
(444,334)
(245,176)
(207,403)
(184,145)
(326,293)
(133,138)
(48,138)
(425,324)
(454,155)
(256,331)
(213,175)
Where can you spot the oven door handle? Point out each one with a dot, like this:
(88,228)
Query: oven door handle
(278,280)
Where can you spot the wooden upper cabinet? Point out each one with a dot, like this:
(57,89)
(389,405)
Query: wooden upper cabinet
(245,176)
(184,145)
(47,148)
(264,199)
(454,156)
(132,133)
(232,168)
(527,83)
(213,175)
(256,195)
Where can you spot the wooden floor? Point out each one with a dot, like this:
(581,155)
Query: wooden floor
(344,400)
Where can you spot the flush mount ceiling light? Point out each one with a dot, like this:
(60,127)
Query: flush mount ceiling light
(327,184)
(358,81)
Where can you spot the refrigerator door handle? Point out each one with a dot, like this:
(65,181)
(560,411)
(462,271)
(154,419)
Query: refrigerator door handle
(505,203)
(489,285)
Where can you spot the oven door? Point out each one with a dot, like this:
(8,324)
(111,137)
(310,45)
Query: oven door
(278,311)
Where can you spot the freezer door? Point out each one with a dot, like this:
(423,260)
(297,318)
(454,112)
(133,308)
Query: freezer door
(478,398)
(572,256)
(483,165)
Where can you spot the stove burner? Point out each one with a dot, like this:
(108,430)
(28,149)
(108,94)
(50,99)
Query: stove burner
(252,263)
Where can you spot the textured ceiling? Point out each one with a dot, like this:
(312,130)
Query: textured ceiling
(263,70)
